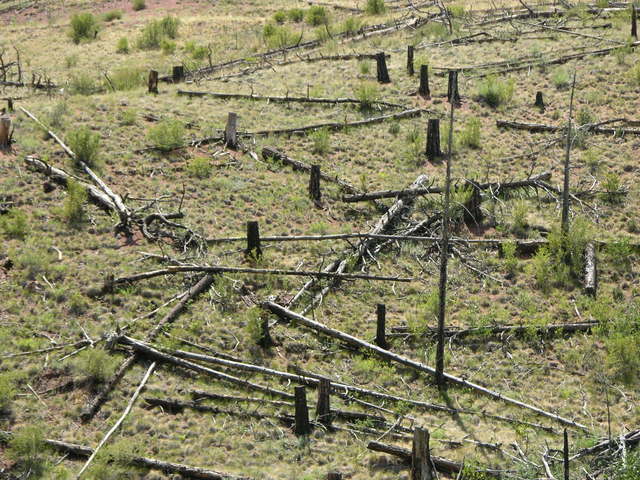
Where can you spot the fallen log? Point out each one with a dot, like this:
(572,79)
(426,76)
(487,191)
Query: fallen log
(93,406)
(442,464)
(298,319)
(630,439)
(287,99)
(150,352)
(172,270)
(591,128)
(518,330)
(75,450)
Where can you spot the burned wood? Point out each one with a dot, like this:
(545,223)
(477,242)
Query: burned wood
(515,330)
(298,319)
(591,128)
(199,395)
(188,471)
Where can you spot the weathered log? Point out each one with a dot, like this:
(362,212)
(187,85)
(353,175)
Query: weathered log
(381,67)
(302,426)
(153,81)
(432,150)
(499,331)
(423,89)
(149,351)
(188,471)
(590,270)
(421,464)
(199,395)
(298,319)
(93,406)
(230,132)
(287,99)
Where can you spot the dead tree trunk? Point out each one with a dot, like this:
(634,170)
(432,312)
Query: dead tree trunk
(178,74)
(5,132)
(433,139)
(381,313)
(634,22)
(421,465)
(265,340)
(231,132)
(314,185)
(323,407)
(334,476)
(424,90)
(565,455)
(567,167)
(472,211)
(383,73)
(539,101)
(302,426)
(410,70)
(590,270)
(153,81)
(9,105)
(253,240)
(453,94)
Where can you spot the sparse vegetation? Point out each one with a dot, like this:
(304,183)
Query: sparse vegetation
(158,30)
(73,211)
(496,92)
(138,5)
(167,135)
(375,7)
(317,15)
(470,134)
(84,26)
(321,141)
(86,146)
(367,93)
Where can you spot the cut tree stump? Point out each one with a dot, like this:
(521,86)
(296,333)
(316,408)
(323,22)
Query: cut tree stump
(231,131)
(302,426)
(433,139)
(453,94)
(421,465)
(381,313)
(590,270)
(423,89)
(410,69)
(153,81)
(334,476)
(314,185)
(539,101)
(177,74)
(472,212)
(382,71)
(253,240)
(323,407)
(5,132)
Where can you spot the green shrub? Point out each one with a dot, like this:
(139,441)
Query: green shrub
(7,393)
(321,141)
(520,223)
(14,224)
(280,16)
(73,211)
(585,116)
(542,269)
(83,84)
(470,134)
(612,187)
(123,45)
(170,26)
(510,259)
(317,15)
(138,5)
(167,46)
(623,349)
(620,255)
(629,469)
(367,93)
(95,364)
(128,78)
(496,92)
(86,145)
(129,117)
(84,26)
(71,61)
(561,78)
(424,314)
(295,14)
(199,167)
(156,31)
(167,135)
(33,261)
(352,25)
(634,74)
(277,37)
(567,251)
(112,15)
(456,10)
(27,448)
(375,7)
(364,67)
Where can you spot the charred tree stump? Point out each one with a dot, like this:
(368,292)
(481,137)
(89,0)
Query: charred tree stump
(590,270)
(565,455)
(231,132)
(314,185)
(421,465)
(424,90)
(302,426)
(177,74)
(265,340)
(381,312)
(433,139)
(453,94)
(410,69)
(539,101)
(253,240)
(153,81)
(334,476)
(383,73)
(472,211)
(323,407)
(9,105)
(634,22)
(5,132)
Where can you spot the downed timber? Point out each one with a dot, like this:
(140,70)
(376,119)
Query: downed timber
(286,99)
(630,439)
(298,319)
(442,464)
(532,182)
(93,406)
(78,344)
(172,270)
(538,127)
(340,389)
(519,330)
(157,355)
(75,450)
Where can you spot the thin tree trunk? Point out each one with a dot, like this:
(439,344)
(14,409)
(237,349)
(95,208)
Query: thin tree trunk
(567,165)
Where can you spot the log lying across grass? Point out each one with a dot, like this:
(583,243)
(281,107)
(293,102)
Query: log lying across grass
(539,127)
(75,450)
(458,334)
(288,99)
(288,315)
